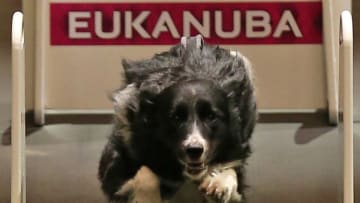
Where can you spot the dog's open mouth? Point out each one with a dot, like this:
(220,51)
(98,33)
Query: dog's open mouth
(195,168)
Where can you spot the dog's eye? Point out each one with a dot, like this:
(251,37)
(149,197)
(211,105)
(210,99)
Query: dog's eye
(210,116)
(180,114)
(205,111)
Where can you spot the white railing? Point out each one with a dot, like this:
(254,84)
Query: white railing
(18,178)
(346,56)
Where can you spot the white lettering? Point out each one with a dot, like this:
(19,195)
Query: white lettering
(136,24)
(75,23)
(164,23)
(99,28)
(203,29)
(257,19)
(219,22)
(258,24)
(287,23)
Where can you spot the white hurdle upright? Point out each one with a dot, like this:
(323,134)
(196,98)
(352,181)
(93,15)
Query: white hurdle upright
(18,178)
(346,56)
(332,73)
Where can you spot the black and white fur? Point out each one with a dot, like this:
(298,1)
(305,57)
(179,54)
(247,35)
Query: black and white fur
(182,113)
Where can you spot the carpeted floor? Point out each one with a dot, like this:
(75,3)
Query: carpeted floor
(290,163)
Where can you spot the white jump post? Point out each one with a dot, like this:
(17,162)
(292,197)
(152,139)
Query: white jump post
(332,73)
(346,55)
(39,102)
(18,178)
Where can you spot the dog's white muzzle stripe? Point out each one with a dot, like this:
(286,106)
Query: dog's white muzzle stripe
(195,137)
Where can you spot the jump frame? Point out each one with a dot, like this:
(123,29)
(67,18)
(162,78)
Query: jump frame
(18,175)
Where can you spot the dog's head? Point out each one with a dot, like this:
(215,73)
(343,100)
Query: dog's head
(193,120)
(196,104)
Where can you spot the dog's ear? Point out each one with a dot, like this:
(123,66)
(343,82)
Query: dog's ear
(129,70)
(242,105)
(237,82)
(125,102)
(147,107)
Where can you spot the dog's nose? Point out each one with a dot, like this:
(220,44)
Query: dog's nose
(194,152)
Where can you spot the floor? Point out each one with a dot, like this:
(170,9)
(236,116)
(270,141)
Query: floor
(291,163)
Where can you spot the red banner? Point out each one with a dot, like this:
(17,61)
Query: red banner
(165,23)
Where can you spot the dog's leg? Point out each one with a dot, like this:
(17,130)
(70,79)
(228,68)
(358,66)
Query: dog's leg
(221,186)
(143,188)
(115,170)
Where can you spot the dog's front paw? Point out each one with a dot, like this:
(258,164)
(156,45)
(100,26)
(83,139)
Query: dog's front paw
(221,186)
(143,188)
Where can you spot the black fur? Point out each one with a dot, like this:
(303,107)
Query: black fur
(146,131)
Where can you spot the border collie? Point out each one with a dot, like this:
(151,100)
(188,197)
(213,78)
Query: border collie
(185,115)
